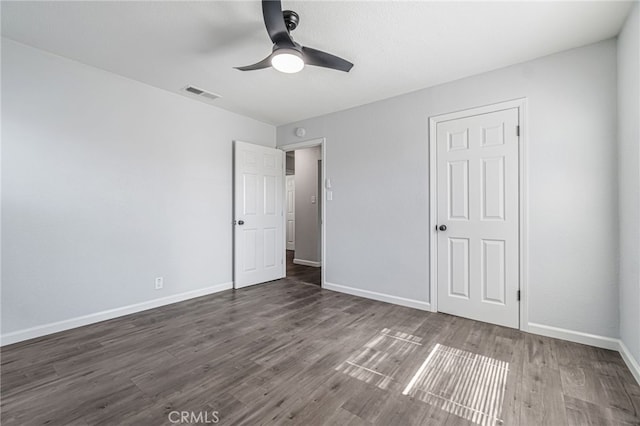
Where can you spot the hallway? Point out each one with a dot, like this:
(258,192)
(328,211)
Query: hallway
(305,274)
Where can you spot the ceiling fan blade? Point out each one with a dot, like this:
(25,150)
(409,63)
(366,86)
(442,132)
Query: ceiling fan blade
(274,21)
(265,63)
(324,59)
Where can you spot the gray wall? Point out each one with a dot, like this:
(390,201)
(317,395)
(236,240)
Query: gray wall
(377,224)
(629,190)
(108,183)
(307,214)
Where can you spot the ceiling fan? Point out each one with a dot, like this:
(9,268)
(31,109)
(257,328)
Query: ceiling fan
(288,56)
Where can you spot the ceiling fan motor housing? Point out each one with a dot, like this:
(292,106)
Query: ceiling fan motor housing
(291,19)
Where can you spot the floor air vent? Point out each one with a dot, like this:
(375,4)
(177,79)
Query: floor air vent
(198,93)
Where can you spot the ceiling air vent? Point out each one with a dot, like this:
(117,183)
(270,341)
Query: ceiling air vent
(203,95)
(194,90)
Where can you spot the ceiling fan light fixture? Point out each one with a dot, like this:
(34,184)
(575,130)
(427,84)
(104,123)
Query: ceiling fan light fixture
(288,61)
(288,56)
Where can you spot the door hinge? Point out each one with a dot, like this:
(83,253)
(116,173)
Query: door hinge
(517,130)
(518,295)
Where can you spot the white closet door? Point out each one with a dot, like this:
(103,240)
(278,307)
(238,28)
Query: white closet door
(478,217)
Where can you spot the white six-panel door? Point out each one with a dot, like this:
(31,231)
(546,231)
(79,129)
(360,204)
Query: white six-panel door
(291,212)
(258,208)
(477,202)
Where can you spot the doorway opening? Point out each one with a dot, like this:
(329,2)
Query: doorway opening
(304,211)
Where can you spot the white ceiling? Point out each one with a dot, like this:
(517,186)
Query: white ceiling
(396,46)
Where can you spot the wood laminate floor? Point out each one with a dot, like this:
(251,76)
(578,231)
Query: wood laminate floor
(289,353)
(306,274)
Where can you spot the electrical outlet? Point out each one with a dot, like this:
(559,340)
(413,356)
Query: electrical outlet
(159,283)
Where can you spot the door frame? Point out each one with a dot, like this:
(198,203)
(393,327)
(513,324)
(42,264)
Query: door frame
(321,142)
(523,225)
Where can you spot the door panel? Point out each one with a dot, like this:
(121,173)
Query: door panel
(493,271)
(459,190)
(291,212)
(477,193)
(270,247)
(250,188)
(492,187)
(458,140)
(250,241)
(270,195)
(258,242)
(459,267)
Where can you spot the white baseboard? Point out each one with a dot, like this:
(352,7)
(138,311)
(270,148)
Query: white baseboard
(631,362)
(591,340)
(575,336)
(411,303)
(543,330)
(307,263)
(43,330)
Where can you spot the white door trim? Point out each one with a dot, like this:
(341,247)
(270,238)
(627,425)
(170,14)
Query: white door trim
(523,234)
(321,142)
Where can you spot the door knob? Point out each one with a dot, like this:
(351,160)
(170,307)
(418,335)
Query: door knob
(442,227)
(241,222)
